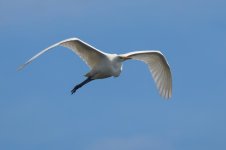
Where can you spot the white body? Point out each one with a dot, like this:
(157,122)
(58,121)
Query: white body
(107,67)
(104,65)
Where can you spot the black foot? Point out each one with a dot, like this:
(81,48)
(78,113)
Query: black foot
(80,85)
(74,89)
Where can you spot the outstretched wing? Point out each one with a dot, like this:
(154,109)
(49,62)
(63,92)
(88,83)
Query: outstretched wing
(158,67)
(88,53)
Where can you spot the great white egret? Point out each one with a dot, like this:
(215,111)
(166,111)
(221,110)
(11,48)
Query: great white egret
(103,65)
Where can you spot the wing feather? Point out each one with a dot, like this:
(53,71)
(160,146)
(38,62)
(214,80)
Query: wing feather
(88,53)
(158,67)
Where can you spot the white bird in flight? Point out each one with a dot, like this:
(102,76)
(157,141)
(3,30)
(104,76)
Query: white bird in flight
(103,65)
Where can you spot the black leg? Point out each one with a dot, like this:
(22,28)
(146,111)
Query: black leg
(80,85)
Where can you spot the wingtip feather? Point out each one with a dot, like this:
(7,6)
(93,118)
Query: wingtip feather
(20,67)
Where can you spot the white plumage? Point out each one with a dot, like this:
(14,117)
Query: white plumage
(104,65)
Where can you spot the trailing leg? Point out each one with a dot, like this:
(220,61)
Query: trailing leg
(81,84)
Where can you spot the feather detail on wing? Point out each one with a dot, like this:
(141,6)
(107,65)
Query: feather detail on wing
(158,67)
(88,53)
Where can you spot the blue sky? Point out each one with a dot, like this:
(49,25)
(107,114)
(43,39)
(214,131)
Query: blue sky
(125,113)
